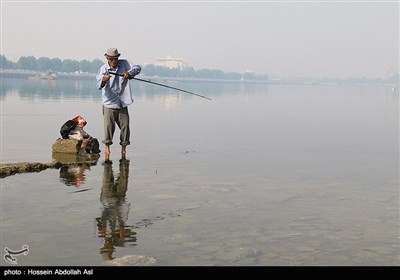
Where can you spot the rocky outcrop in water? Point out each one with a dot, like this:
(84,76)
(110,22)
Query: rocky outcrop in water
(133,260)
(8,169)
(65,152)
(81,147)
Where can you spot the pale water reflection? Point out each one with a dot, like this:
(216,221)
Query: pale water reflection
(277,175)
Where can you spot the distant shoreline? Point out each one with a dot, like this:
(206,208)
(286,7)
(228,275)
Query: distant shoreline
(273,81)
(87,76)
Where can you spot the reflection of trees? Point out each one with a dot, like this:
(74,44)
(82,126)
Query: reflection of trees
(37,89)
(111,225)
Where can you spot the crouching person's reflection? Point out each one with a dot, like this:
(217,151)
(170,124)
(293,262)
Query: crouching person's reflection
(74,175)
(115,209)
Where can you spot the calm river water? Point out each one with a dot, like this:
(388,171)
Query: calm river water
(287,175)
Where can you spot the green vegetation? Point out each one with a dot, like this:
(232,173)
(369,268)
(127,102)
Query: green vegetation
(54,64)
(84,66)
(43,64)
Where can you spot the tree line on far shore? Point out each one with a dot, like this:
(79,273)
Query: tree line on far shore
(42,64)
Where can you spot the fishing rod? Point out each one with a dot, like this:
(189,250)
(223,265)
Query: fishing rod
(154,83)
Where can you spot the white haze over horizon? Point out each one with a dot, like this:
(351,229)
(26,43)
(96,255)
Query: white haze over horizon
(289,38)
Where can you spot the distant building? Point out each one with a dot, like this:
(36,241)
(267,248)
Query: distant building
(170,62)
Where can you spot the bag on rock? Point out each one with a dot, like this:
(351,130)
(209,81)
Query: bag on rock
(67,127)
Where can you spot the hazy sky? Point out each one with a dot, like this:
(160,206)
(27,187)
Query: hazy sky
(286,38)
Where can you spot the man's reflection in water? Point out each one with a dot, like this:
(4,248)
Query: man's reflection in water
(111,225)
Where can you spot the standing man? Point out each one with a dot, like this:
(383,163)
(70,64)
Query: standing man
(116,96)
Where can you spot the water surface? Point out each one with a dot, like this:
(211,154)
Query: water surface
(260,175)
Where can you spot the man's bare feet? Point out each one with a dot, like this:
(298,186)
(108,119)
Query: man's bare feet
(107,152)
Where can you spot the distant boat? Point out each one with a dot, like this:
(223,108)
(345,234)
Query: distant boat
(49,75)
